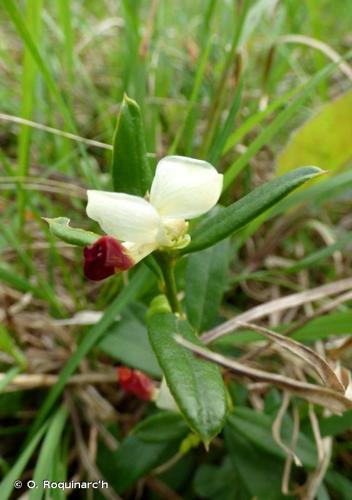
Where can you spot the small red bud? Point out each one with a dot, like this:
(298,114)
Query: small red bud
(136,382)
(104,258)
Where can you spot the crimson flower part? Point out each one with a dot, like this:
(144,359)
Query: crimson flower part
(107,256)
(136,382)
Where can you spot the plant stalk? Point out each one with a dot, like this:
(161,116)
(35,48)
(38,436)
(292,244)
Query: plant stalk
(167,265)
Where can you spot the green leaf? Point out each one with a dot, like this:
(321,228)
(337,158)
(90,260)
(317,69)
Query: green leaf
(260,472)
(214,482)
(338,323)
(127,341)
(339,484)
(205,283)
(131,171)
(324,139)
(60,227)
(234,217)
(196,385)
(139,453)
(319,328)
(317,193)
(163,426)
(336,424)
(257,428)
(133,460)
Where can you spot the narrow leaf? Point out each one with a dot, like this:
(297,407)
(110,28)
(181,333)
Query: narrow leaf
(234,217)
(128,342)
(206,280)
(197,386)
(131,172)
(60,227)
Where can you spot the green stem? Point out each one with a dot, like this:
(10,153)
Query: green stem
(167,265)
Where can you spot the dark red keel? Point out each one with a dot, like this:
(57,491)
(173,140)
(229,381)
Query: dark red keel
(104,258)
(136,382)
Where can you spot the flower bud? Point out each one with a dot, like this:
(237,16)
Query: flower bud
(136,382)
(104,258)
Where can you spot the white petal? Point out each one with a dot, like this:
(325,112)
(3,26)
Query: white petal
(165,400)
(126,217)
(139,251)
(184,187)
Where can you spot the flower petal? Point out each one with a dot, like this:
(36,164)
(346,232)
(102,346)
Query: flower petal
(124,216)
(104,258)
(185,187)
(136,382)
(138,251)
(165,400)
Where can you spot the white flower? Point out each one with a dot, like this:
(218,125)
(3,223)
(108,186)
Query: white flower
(164,399)
(183,188)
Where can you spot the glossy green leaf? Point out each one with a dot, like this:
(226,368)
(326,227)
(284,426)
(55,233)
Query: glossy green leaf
(60,227)
(205,283)
(196,385)
(317,193)
(234,217)
(131,171)
(324,139)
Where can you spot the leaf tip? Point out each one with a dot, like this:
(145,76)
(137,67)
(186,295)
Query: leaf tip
(314,171)
(206,444)
(128,101)
(158,305)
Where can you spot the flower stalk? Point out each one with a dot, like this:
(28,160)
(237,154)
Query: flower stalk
(167,266)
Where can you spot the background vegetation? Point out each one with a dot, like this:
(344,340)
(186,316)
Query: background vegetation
(224,81)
